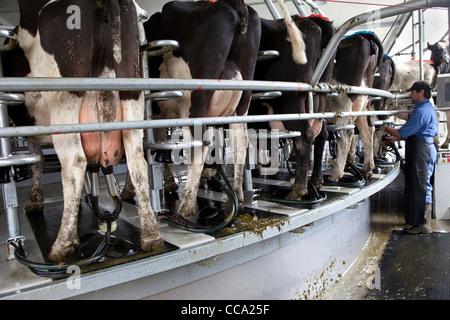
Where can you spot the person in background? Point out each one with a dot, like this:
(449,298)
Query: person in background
(419,132)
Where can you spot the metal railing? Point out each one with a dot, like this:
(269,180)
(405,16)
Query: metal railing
(88,84)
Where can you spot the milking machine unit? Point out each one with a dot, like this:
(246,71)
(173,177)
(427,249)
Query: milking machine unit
(95,243)
(209,218)
(17,166)
(352,180)
(92,190)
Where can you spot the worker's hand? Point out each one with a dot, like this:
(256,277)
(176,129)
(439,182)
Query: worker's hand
(390,139)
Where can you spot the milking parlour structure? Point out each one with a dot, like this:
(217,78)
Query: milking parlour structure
(272,249)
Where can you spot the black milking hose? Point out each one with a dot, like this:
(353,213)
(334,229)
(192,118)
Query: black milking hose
(180,222)
(60,270)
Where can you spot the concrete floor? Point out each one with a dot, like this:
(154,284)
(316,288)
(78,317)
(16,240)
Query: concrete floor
(386,216)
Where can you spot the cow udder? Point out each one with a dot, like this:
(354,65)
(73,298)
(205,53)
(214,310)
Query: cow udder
(103,147)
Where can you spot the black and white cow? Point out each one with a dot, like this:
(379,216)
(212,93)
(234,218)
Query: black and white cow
(317,32)
(408,72)
(104,44)
(218,40)
(357,57)
(15,64)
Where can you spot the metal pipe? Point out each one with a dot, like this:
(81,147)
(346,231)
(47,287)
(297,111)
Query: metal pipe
(314,7)
(164,123)
(7,33)
(272,9)
(129,84)
(390,39)
(363,18)
(413,38)
(299,6)
(420,12)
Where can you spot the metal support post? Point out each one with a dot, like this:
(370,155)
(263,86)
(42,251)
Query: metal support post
(420,12)
(155,168)
(248,167)
(413,37)
(9,190)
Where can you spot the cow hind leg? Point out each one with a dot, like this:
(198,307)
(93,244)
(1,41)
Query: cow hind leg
(36,204)
(73,166)
(188,201)
(138,170)
(319,146)
(127,194)
(343,146)
(239,143)
(366,133)
(170,184)
(303,147)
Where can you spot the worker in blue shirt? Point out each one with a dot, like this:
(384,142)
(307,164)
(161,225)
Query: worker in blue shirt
(420,156)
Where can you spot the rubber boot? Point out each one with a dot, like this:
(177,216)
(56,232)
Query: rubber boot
(423,228)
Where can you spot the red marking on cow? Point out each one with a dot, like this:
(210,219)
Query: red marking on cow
(430,61)
(319,16)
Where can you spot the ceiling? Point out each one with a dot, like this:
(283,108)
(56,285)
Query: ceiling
(436,20)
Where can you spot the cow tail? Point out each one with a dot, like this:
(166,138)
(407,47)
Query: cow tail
(116,29)
(243,23)
(377,45)
(294,35)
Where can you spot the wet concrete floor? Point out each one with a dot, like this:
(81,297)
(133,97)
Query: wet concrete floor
(386,216)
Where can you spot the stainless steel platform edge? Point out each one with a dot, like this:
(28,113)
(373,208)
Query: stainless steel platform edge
(131,271)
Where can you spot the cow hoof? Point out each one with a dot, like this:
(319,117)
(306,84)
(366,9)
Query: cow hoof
(186,210)
(60,252)
(170,187)
(367,175)
(152,244)
(444,146)
(295,196)
(128,196)
(334,178)
(187,214)
(317,182)
(33,208)
(229,206)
